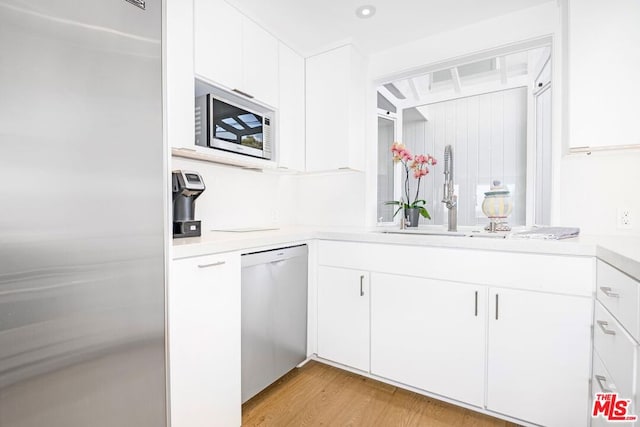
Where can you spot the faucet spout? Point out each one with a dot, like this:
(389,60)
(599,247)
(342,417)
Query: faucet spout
(449,198)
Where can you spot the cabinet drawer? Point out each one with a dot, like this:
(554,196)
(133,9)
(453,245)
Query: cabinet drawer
(616,349)
(600,383)
(619,294)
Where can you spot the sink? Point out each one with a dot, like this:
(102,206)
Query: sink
(427,232)
(436,232)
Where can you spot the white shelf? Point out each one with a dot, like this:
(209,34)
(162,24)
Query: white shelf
(222,157)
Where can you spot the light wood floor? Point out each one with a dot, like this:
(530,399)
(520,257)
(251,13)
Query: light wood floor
(321,395)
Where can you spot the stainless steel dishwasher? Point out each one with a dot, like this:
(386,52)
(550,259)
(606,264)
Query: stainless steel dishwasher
(274,316)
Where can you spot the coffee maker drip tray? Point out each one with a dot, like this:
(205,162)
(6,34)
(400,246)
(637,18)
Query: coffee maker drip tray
(186,228)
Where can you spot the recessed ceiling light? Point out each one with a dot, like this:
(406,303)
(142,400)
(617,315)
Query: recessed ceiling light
(366,11)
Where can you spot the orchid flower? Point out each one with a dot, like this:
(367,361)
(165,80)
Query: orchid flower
(419,165)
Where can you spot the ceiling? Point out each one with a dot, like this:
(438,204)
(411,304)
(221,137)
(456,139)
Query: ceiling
(314,26)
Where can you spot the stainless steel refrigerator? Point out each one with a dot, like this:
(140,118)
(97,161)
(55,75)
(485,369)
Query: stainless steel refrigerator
(82,202)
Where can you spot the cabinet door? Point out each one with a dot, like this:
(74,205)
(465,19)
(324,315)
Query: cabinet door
(604,54)
(328,88)
(538,356)
(429,334)
(343,316)
(204,341)
(291,151)
(259,63)
(218,42)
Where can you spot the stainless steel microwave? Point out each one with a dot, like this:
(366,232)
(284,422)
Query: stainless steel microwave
(224,125)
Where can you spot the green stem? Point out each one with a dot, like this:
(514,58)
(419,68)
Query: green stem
(406,182)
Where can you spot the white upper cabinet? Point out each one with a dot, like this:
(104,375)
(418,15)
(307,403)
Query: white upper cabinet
(604,56)
(179,73)
(233,51)
(259,63)
(218,42)
(335,110)
(291,149)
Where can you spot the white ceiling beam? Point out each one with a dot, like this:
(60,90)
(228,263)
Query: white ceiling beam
(424,111)
(455,77)
(414,90)
(387,94)
(469,90)
(502,66)
(403,88)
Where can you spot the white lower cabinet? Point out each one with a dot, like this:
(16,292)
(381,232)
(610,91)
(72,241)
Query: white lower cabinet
(343,316)
(539,356)
(513,341)
(616,347)
(429,334)
(204,341)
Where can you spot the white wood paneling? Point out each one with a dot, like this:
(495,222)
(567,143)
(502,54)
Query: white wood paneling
(543,157)
(386,168)
(489,136)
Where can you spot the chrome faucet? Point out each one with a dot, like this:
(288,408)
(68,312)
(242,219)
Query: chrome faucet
(449,199)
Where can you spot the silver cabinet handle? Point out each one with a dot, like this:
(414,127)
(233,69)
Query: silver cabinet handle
(362,285)
(476,305)
(213,264)
(600,379)
(609,292)
(603,325)
(496,306)
(242,93)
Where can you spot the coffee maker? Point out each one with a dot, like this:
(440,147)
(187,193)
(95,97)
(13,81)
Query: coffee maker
(187,187)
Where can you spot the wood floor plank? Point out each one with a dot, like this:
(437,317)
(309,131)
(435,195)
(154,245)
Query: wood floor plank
(321,395)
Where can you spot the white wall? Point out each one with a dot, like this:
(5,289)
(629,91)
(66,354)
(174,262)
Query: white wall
(592,188)
(237,198)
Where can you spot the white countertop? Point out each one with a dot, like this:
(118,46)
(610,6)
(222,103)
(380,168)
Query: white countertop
(621,252)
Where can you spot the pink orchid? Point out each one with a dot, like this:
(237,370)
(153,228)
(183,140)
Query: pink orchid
(418,165)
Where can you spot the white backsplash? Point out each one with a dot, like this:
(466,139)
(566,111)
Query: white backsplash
(238,198)
(594,187)
(331,199)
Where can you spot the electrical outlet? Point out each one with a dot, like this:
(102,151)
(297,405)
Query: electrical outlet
(625,218)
